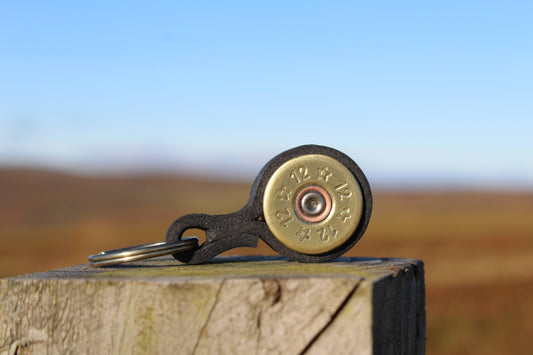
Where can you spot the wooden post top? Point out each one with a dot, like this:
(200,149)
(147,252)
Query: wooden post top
(232,305)
(168,269)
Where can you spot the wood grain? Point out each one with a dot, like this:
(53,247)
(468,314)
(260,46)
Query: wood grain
(260,305)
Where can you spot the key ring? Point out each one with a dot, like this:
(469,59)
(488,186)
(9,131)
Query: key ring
(142,251)
(310,204)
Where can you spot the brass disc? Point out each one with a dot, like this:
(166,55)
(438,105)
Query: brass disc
(312,204)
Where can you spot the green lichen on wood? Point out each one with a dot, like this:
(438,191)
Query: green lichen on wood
(145,317)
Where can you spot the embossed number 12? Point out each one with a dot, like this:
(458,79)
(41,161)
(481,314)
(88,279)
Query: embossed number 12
(300,174)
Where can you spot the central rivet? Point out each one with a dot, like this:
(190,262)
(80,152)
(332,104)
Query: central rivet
(313,204)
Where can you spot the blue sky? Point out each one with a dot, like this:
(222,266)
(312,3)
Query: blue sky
(418,93)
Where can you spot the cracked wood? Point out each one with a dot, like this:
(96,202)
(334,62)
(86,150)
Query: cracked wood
(259,305)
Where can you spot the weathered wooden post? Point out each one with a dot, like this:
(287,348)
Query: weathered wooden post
(256,305)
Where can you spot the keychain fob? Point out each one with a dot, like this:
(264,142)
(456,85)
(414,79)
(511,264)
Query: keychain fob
(310,204)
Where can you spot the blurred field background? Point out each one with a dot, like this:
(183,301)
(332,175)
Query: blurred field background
(477,245)
(118,117)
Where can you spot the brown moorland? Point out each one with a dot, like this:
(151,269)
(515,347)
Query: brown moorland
(477,245)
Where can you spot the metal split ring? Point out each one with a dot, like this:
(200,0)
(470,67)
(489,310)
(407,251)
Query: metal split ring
(141,252)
